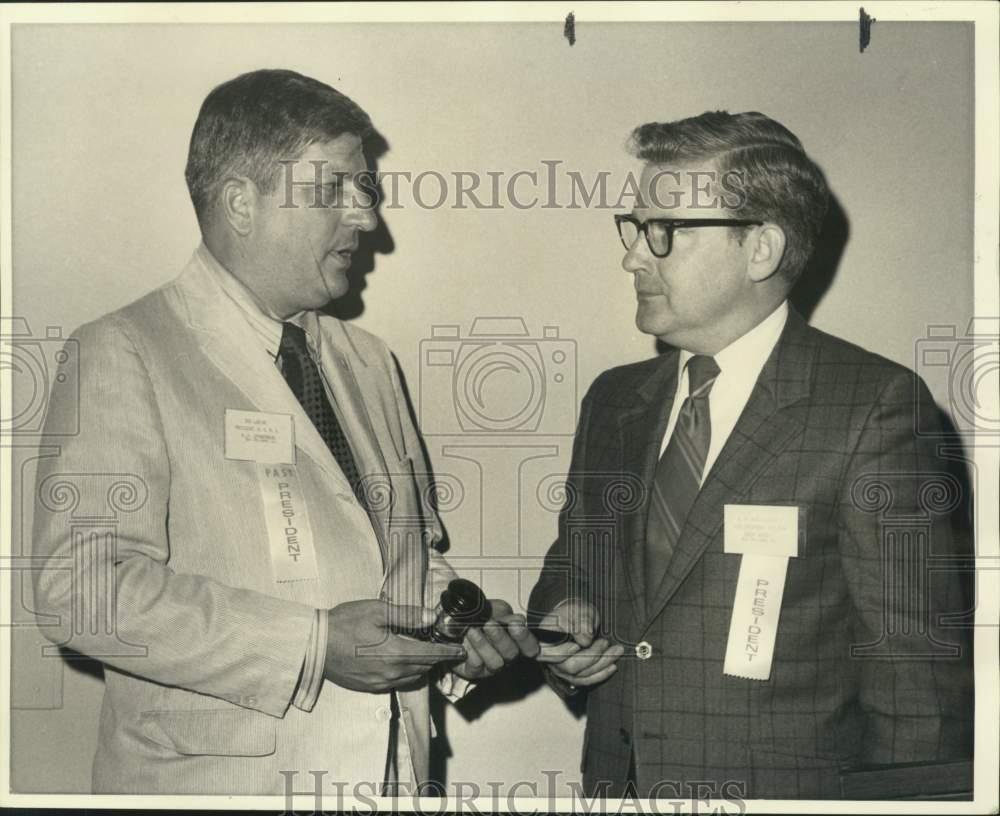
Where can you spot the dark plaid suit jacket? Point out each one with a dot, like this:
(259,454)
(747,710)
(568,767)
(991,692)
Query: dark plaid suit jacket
(865,672)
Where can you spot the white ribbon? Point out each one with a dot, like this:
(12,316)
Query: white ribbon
(766,536)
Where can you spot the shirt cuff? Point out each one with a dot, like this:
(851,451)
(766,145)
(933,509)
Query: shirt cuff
(561,687)
(311,679)
(453,687)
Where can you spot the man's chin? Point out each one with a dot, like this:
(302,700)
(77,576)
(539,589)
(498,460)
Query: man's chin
(336,282)
(650,324)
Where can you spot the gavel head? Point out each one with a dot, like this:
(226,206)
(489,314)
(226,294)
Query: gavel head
(463,606)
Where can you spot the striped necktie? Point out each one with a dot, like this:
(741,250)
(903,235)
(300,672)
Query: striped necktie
(679,472)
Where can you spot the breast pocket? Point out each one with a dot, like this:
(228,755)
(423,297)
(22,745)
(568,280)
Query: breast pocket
(213,732)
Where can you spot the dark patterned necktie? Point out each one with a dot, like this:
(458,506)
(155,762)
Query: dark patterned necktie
(304,379)
(679,472)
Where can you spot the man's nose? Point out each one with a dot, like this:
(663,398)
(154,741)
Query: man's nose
(366,218)
(361,211)
(635,259)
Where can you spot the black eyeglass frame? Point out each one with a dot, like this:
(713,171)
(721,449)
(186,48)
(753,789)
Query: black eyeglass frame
(670,224)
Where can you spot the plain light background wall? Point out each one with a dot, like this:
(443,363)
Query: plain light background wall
(102,115)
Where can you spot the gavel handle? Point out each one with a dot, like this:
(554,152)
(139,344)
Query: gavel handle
(549,637)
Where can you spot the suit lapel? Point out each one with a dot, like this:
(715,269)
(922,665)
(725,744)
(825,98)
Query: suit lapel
(229,342)
(763,431)
(369,410)
(640,431)
(354,389)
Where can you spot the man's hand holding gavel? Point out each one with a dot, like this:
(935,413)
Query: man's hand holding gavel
(376,646)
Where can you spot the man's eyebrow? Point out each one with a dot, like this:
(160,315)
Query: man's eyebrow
(336,176)
(333,173)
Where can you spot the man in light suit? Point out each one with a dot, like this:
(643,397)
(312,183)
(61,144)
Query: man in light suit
(276,546)
(760,478)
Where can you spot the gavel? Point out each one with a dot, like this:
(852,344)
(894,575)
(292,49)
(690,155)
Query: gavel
(464,606)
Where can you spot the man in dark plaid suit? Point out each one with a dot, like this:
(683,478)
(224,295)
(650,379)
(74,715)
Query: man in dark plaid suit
(752,411)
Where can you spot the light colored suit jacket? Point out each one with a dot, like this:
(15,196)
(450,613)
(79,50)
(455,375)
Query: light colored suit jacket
(155,556)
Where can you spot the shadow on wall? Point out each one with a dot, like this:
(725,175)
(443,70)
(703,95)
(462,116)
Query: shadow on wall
(82,664)
(512,684)
(377,242)
(822,266)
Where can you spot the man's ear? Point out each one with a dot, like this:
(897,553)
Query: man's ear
(766,249)
(238,200)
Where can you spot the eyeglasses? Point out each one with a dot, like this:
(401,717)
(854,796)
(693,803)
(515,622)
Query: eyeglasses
(659,232)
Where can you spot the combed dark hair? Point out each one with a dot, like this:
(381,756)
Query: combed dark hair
(779,182)
(250,123)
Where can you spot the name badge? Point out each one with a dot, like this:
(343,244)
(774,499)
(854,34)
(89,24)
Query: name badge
(293,556)
(766,536)
(254,436)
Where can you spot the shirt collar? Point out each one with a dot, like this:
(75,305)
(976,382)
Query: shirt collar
(265,324)
(746,355)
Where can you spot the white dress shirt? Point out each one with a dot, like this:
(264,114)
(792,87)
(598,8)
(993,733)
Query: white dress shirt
(740,364)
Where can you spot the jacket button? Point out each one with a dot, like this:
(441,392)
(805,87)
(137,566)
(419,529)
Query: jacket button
(625,736)
(643,650)
(382,714)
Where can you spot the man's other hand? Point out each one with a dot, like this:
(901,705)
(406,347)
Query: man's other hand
(589,666)
(504,638)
